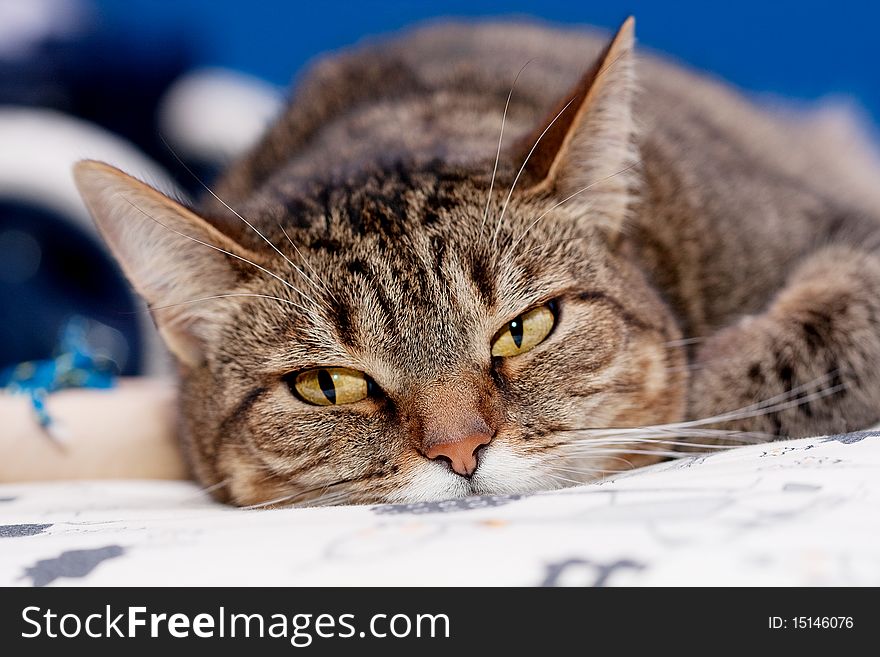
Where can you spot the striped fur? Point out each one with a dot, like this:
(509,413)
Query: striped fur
(701,217)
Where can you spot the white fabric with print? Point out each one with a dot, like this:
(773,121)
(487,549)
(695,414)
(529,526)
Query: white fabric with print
(803,512)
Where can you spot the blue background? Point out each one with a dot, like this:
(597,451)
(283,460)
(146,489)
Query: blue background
(802,50)
(115,72)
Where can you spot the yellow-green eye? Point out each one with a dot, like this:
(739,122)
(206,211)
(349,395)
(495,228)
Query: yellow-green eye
(525,332)
(331,385)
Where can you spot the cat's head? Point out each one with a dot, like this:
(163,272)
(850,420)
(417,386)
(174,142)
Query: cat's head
(398,333)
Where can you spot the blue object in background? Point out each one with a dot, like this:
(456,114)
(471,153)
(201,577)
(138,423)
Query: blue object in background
(78,364)
(50,270)
(804,50)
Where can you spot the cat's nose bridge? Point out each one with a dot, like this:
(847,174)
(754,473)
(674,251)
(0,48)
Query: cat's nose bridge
(453,422)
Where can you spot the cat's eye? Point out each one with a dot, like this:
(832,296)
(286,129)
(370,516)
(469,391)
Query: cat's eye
(524,332)
(327,386)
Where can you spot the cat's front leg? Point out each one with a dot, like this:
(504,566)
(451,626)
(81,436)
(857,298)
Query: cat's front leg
(809,364)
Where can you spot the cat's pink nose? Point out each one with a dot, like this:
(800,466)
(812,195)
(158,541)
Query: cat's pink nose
(461,454)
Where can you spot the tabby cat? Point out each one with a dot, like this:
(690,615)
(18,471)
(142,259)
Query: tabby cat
(500,258)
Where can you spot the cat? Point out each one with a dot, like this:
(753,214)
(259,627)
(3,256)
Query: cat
(501,258)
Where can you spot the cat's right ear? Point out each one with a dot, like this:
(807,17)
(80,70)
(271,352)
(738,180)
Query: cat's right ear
(171,255)
(583,151)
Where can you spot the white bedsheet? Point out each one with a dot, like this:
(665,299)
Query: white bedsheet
(803,512)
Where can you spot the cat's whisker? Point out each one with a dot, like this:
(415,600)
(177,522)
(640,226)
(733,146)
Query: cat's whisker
(223,296)
(272,502)
(605,67)
(545,245)
(324,492)
(566,480)
(690,367)
(672,454)
(612,440)
(498,152)
(777,403)
(684,342)
(787,405)
(541,247)
(745,437)
(523,168)
(599,452)
(235,212)
(323,286)
(568,198)
(332,498)
(203,490)
(556,243)
(224,251)
(624,439)
(703,363)
(760,409)
(574,470)
(596,437)
(601,449)
(632,443)
(286,498)
(546,452)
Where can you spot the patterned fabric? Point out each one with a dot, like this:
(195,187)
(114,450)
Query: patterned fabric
(803,512)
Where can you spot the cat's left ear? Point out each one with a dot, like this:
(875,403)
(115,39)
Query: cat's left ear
(585,147)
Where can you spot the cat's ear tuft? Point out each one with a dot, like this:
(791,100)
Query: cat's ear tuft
(585,147)
(171,255)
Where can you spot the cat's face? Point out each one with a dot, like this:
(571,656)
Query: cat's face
(401,339)
(402,296)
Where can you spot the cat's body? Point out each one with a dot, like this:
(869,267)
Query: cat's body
(642,215)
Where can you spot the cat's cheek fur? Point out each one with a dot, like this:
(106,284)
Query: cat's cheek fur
(246,480)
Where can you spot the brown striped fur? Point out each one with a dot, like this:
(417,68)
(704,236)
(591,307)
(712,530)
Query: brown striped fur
(706,217)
